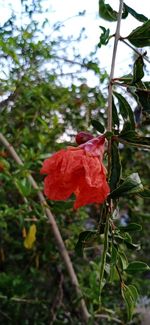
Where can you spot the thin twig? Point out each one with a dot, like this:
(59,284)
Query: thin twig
(60,244)
(137,145)
(134,49)
(109,318)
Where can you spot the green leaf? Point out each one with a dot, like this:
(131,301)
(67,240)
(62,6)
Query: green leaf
(115,166)
(84,237)
(106,12)
(137,266)
(125,109)
(144,99)
(131,185)
(113,263)
(115,117)
(139,37)
(130,295)
(138,72)
(131,11)
(145,193)
(23,186)
(104,37)
(133,138)
(131,227)
(123,260)
(98,126)
(108,135)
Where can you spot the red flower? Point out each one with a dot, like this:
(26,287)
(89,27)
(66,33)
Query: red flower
(77,170)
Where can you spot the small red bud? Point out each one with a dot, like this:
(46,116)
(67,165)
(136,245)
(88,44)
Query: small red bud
(83,137)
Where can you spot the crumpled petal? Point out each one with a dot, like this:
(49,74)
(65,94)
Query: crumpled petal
(77,170)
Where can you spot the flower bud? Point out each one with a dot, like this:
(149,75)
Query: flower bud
(83,137)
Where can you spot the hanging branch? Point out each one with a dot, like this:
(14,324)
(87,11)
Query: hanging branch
(60,244)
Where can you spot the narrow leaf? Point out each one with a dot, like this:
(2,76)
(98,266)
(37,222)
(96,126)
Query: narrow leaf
(115,166)
(115,117)
(123,260)
(138,72)
(131,11)
(133,138)
(98,126)
(128,294)
(144,99)
(125,109)
(145,193)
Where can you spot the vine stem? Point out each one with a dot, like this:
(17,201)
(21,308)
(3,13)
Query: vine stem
(60,244)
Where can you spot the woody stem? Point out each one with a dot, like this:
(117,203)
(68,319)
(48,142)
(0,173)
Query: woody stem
(109,121)
(109,129)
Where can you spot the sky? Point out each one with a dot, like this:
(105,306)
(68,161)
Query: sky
(61,10)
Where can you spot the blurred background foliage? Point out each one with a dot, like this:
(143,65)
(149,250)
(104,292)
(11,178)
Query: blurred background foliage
(40,112)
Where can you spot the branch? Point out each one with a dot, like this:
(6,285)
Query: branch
(117,36)
(60,244)
(109,122)
(134,49)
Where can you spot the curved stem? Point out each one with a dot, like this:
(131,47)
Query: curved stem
(60,244)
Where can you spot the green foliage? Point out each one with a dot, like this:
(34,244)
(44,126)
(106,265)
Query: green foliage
(139,37)
(130,295)
(115,166)
(106,12)
(138,72)
(39,115)
(104,38)
(131,11)
(131,185)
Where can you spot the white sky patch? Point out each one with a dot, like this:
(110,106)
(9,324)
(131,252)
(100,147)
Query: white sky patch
(62,10)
